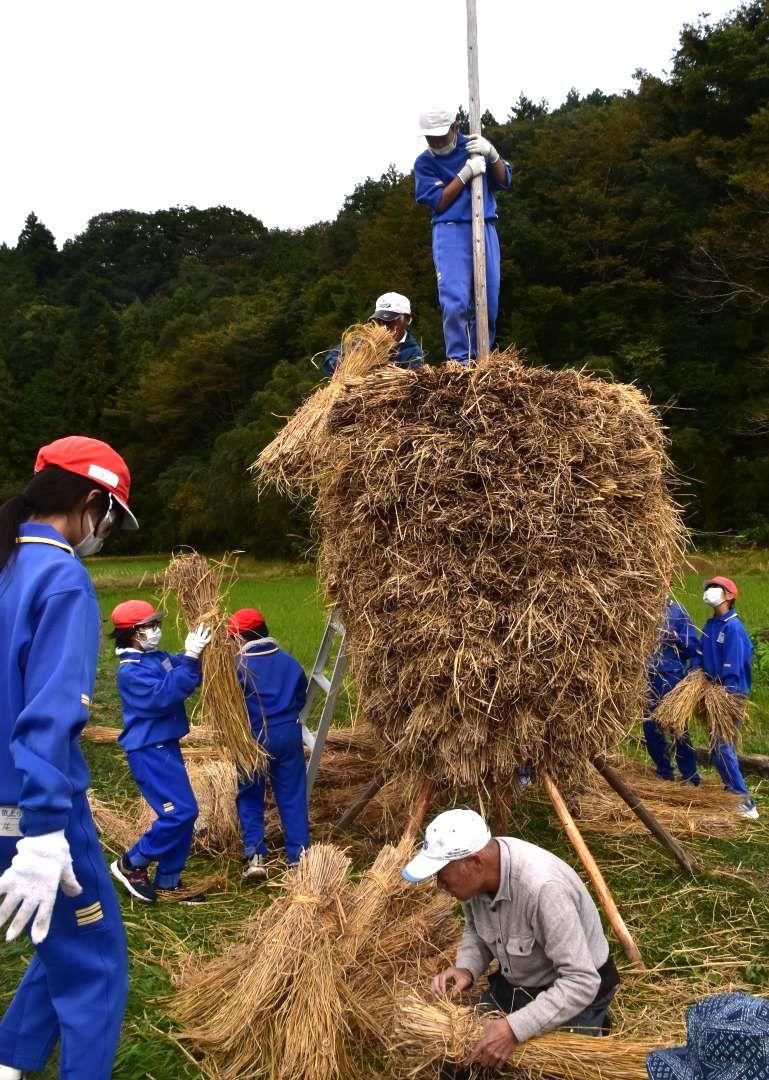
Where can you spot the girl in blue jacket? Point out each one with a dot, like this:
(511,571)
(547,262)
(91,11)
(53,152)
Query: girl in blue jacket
(153,687)
(52,871)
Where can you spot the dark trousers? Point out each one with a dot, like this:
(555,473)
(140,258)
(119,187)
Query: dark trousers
(502,996)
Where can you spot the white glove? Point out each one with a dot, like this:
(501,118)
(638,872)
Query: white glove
(476,144)
(30,884)
(474,166)
(196,641)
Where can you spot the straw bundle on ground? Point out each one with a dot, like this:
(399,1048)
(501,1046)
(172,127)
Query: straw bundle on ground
(100,733)
(200,587)
(428,1032)
(497,540)
(308,993)
(117,828)
(697,699)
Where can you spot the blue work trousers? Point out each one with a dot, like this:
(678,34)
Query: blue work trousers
(75,986)
(724,758)
(161,776)
(288,776)
(661,747)
(453,258)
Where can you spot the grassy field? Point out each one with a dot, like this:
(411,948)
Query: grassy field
(700,936)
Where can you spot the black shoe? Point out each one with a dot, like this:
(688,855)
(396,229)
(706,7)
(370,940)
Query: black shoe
(134,878)
(167,895)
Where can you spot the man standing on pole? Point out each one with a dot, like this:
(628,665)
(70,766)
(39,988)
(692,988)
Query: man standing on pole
(443,174)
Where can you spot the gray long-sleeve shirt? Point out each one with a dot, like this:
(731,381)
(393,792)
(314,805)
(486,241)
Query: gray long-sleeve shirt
(543,927)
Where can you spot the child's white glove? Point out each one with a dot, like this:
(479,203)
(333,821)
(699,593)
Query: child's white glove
(474,166)
(476,144)
(31,883)
(196,641)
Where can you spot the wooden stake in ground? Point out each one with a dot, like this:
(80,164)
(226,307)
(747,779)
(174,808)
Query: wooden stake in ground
(626,793)
(477,198)
(592,870)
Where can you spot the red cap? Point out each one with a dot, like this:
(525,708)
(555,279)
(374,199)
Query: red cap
(95,460)
(134,613)
(248,618)
(726,584)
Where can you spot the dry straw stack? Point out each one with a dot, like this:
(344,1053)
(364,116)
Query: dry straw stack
(201,587)
(426,1033)
(697,699)
(497,539)
(308,994)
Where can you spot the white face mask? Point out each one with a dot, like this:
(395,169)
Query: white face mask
(714,595)
(443,151)
(150,638)
(91,544)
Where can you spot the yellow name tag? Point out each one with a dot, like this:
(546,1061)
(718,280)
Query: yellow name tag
(10,818)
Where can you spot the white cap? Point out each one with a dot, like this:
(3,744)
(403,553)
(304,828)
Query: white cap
(390,305)
(455,834)
(436,121)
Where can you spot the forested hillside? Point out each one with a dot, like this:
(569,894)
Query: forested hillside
(635,241)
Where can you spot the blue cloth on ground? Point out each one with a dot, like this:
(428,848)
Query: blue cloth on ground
(727,1038)
(161,776)
(406,354)
(75,987)
(49,646)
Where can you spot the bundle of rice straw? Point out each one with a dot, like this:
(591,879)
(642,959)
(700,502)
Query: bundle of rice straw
(100,733)
(117,829)
(429,1032)
(497,539)
(697,699)
(201,587)
(285,1003)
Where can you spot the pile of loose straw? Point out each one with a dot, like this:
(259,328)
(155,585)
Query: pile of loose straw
(426,1033)
(201,587)
(497,538)
(697,699)
(309,990)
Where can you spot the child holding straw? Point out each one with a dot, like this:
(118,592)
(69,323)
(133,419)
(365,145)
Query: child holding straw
(275,688)
(727,658)
(153,687)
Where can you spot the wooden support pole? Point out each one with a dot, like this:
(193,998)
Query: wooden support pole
(591,869)
(477,199)
(626,793)
(356,808)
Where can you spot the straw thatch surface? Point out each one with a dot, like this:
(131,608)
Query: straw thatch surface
(497,539)
(698,700)
(309,990)
(201,587)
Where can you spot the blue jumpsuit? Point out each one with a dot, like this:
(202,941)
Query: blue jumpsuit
(727,656)
(153,688)
(275,688)
(407,354)
(679,646)
(453,246)
(75,987)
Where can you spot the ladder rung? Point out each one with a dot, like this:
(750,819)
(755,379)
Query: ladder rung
(322,681)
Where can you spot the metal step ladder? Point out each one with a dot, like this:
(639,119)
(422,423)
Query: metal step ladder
(319,682)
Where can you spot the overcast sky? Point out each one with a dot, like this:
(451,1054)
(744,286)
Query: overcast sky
(277,108)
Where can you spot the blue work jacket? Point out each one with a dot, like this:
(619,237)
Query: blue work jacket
(727,652)
(679,645)
(49,647)
(153,687)
(274,684)
(432,173)
(406,353)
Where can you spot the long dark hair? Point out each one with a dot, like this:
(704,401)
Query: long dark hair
(51,491)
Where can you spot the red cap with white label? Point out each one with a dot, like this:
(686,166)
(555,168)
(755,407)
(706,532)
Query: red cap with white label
(97,461)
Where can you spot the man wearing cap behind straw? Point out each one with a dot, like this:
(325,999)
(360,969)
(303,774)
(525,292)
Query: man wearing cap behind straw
(393,310)
(727,657)
(527,909)
(153,686)
(443,175)
(52,871)
(275,688)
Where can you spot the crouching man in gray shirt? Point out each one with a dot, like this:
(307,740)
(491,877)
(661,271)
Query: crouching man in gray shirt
(529,911)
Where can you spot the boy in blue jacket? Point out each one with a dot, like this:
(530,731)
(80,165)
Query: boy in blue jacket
(727,658)
(153,687)
(679,646)
(275,688)
(392,310)
(443,174)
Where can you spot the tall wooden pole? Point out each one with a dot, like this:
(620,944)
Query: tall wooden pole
(479,215)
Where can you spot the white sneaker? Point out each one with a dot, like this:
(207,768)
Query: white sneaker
(747,809)
(253,870)
(7,1072)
